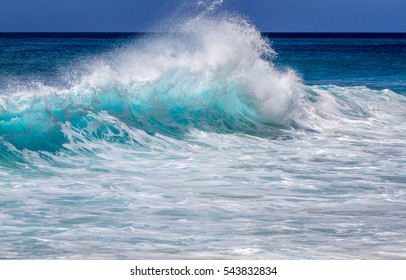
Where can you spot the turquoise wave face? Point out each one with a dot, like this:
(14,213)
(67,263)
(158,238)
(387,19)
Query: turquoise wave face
(38,121)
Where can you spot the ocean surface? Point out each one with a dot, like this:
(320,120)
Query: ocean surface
(213,141)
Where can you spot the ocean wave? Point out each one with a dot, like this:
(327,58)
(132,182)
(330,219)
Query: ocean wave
(213,74)
(194,144)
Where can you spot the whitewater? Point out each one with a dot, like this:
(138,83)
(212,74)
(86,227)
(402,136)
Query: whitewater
(196,144)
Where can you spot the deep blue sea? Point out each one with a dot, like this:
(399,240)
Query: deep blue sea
(214,141)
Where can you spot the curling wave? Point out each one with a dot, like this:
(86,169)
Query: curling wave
(212,74)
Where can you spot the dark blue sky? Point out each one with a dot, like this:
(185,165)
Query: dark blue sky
(143,15)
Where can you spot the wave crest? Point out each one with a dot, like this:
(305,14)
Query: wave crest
(211,73)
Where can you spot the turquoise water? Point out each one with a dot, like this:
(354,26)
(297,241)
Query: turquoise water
(210,142)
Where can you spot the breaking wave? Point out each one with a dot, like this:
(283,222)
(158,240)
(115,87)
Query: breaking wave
(211,74)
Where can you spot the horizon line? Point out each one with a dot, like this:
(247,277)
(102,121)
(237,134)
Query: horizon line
(269,34)
(153,32)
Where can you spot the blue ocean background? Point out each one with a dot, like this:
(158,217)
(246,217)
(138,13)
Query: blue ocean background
(213,141)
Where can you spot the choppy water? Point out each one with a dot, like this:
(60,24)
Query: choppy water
(210,142)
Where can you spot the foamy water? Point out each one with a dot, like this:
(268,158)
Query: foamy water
(196,145)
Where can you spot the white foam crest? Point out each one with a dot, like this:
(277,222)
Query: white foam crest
(200,52)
